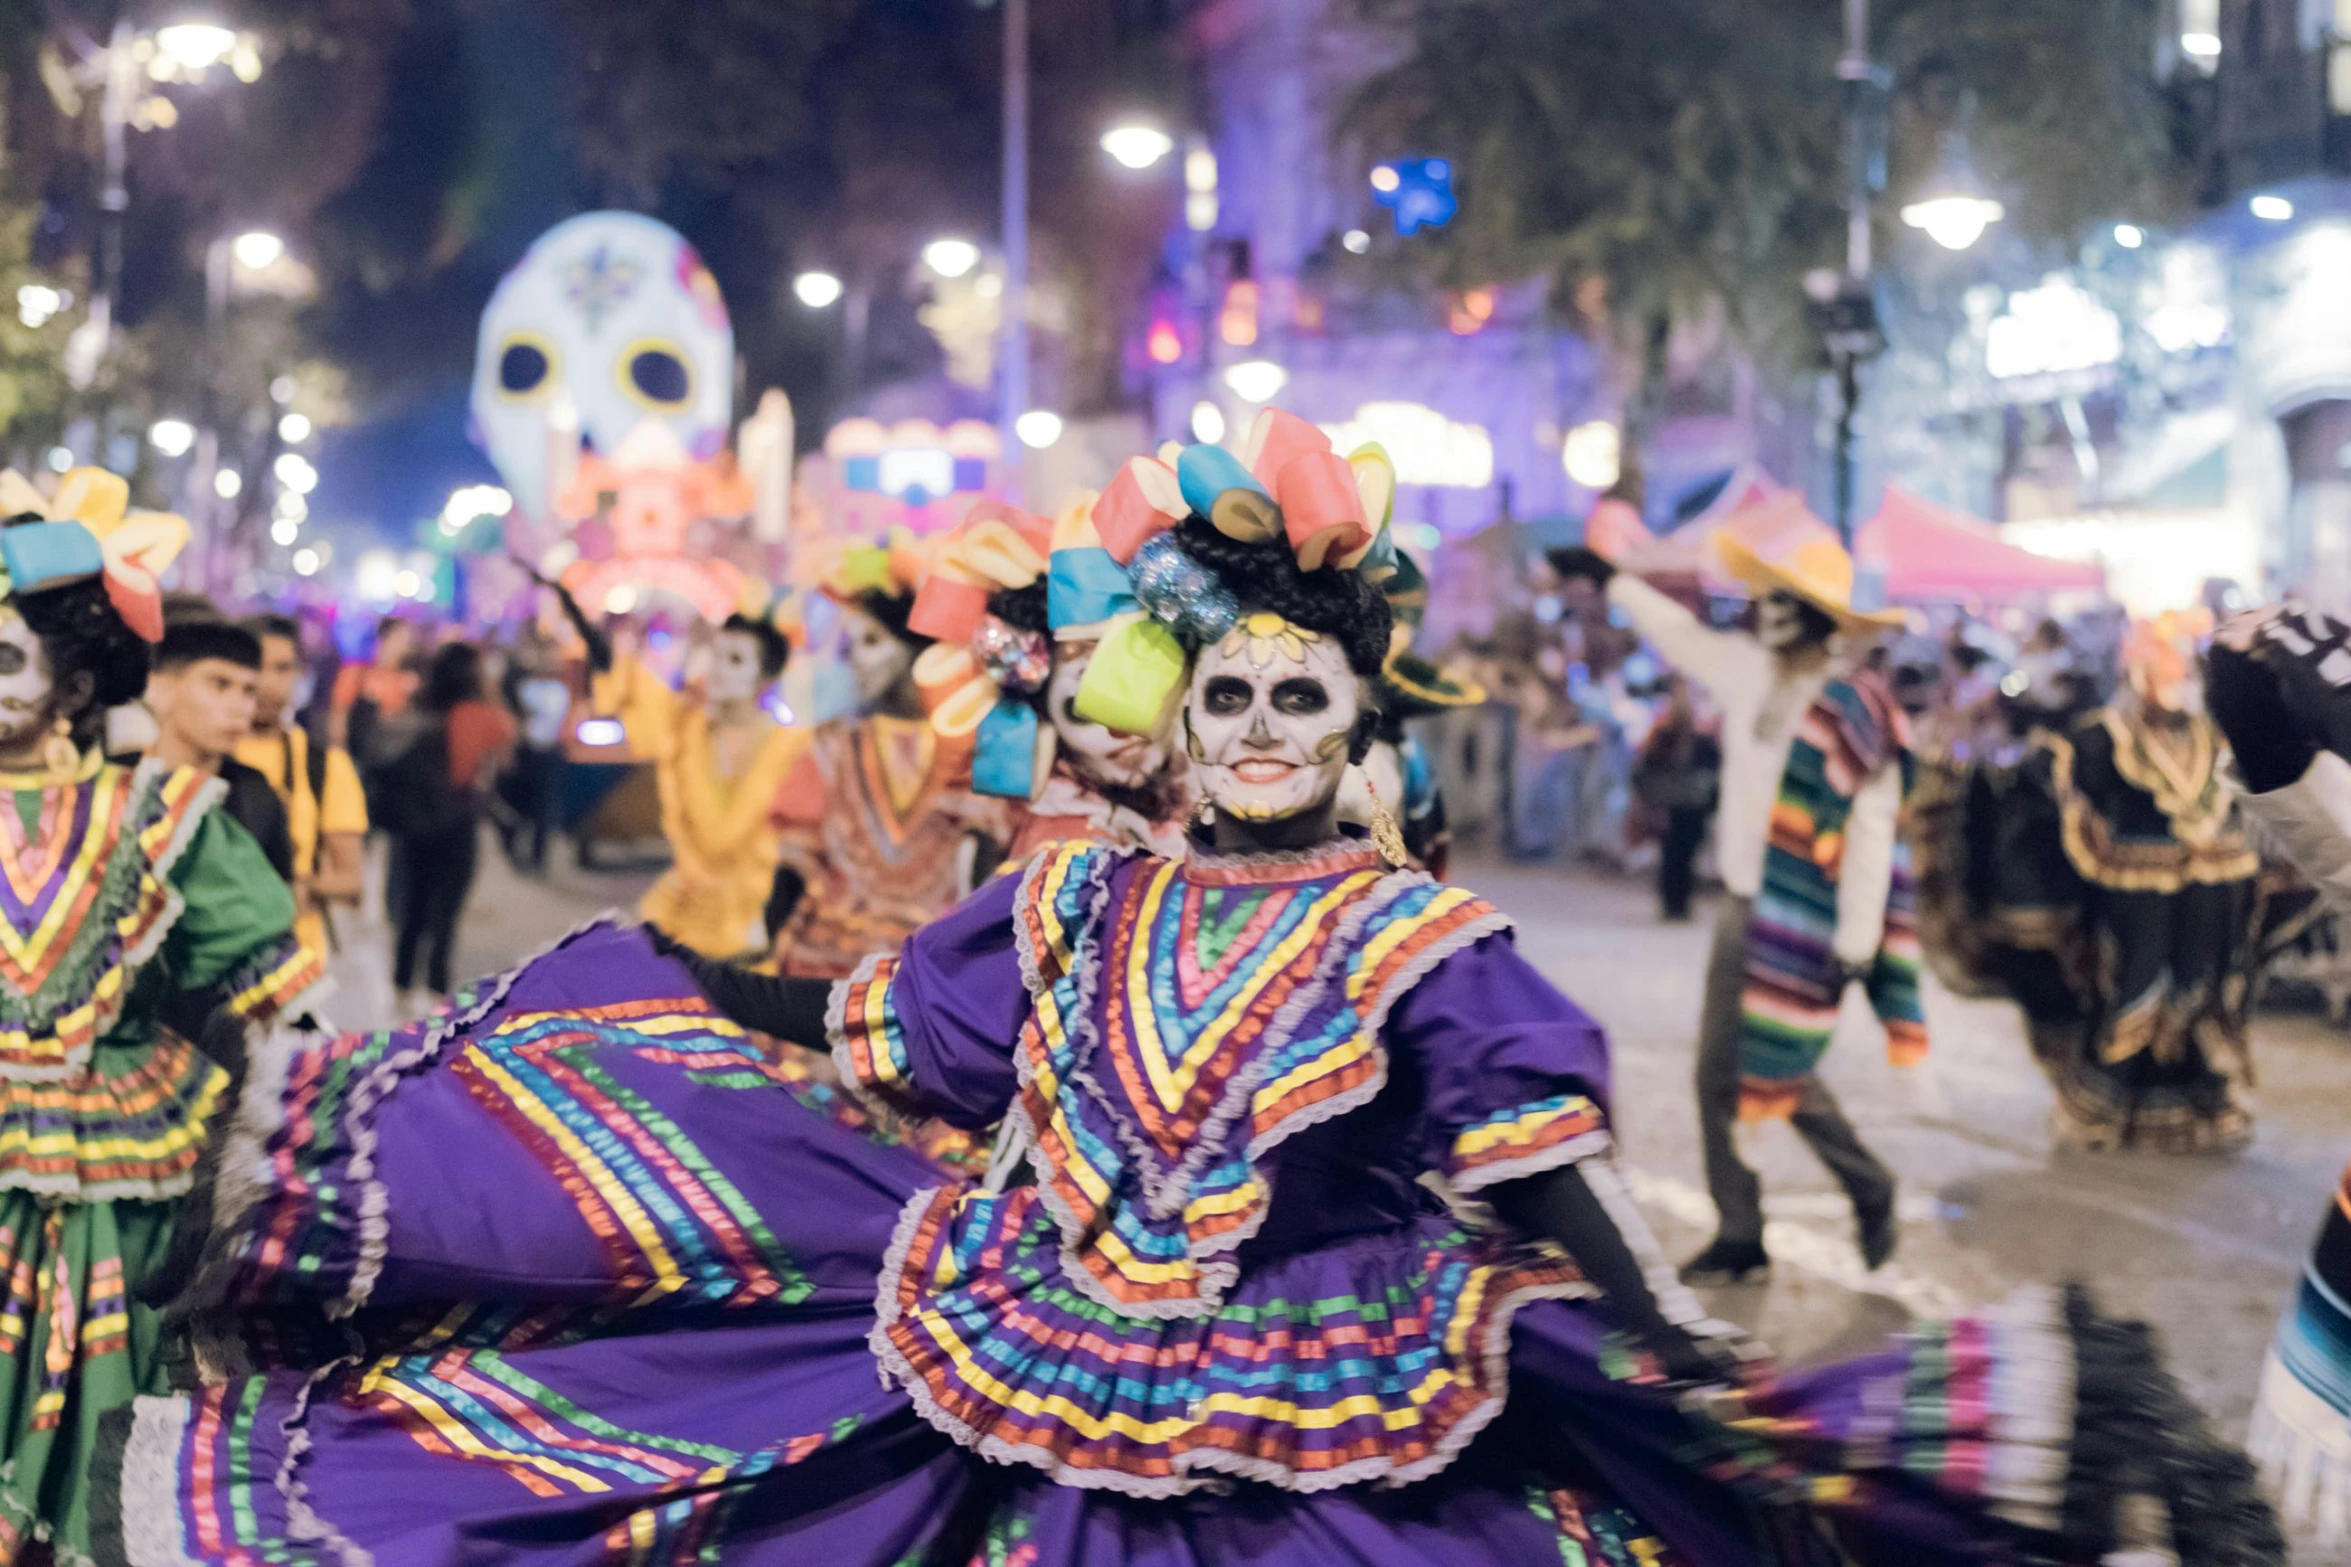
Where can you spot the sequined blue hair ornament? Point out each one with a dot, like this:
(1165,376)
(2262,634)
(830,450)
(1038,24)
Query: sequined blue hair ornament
(1181,593)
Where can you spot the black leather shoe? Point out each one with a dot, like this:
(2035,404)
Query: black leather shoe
(1877,1232)
(1727,1262)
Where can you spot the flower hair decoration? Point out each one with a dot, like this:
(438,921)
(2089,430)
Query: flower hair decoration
(89,531)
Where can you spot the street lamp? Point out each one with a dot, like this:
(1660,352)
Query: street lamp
(195,46)
(816,289)
(294,429)
(172,437)
(2273,209)
(951,258)
(182,49)
(257,250)
(1137,146)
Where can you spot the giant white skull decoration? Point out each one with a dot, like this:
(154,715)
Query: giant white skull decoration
(610,318)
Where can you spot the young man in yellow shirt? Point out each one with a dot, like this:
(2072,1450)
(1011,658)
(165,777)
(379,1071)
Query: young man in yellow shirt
(325,809)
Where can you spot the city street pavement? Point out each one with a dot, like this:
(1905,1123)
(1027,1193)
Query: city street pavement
(2205,1249)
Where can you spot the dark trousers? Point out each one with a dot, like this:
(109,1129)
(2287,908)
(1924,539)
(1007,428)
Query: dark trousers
(1738,1195)
(1677,860)
(436,871)
(534,794)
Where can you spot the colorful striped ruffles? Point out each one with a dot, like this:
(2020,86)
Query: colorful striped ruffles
(458,1399)
(2301,1431)
(1186,1018)
(301,1204)
(85,900)
(1794,980)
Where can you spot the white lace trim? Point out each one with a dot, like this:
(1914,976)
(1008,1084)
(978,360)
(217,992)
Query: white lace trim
(151,1483)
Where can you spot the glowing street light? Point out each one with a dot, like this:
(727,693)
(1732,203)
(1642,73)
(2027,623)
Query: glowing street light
(1593,454)
(172,437)
(228,484)
(284,531)
(951,258)
(295,472)
(37,302)
(1256,380)
(1954,222)
(2272,209)
(816,289)
(306,563)
(1208,424)
(1038,428)
(2129,235)
(294,429)
(195,46)
(1357,241)
(257,250)
(1137,146)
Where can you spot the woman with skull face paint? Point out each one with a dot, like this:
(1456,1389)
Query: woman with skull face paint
(1205,1309)
(877,824)
(718,764)
(135,917)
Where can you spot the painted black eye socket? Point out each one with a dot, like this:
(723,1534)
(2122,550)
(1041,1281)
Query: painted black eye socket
(523,368)
(1301,695)
(1227,695)
(660,376)
(12,659)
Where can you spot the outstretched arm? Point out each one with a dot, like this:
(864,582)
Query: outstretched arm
(1715,659)
(1561,1206)
(790,1009)
(599,645)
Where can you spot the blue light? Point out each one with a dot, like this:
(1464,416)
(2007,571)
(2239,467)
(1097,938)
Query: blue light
(1418,190)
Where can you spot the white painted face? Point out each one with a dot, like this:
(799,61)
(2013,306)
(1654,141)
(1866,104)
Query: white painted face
(27,685)
(1268,719)
(734,668)
(1101,755)
(615,315)
(876,657)
(1780,622)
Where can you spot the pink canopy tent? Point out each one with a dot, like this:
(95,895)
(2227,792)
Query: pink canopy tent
(1931,554)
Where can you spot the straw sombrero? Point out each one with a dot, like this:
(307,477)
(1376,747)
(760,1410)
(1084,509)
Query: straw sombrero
(1811,565)
(1415,684)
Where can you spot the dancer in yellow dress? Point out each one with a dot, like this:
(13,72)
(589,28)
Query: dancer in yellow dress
(718,763)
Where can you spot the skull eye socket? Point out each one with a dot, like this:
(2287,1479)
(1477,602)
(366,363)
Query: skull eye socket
(657,375)
(526,367)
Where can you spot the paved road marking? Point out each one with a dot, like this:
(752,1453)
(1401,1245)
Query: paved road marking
(1809,1248)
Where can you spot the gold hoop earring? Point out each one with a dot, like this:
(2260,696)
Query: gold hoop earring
(1386,836)
(59,754)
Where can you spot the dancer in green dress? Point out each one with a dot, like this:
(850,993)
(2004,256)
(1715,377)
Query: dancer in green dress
(135,919)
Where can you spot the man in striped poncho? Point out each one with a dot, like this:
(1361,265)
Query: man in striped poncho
(1815,762)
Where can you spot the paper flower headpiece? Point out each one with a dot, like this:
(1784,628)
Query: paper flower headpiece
(90,531)
(979,670)
(1287,482)
(892,567)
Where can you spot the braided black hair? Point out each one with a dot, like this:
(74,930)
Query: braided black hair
(1023,609)
(81,633)
(1338,604)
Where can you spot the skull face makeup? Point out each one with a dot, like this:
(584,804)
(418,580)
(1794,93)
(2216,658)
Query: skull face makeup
(1780,622)
(28,687)
(877,658)
(735,675)
(1269,719)
(1100,755)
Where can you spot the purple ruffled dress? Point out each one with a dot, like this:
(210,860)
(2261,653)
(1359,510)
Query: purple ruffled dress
(572,1276)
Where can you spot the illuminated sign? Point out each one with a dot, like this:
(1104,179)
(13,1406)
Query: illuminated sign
(2051,330)
(1426,447)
